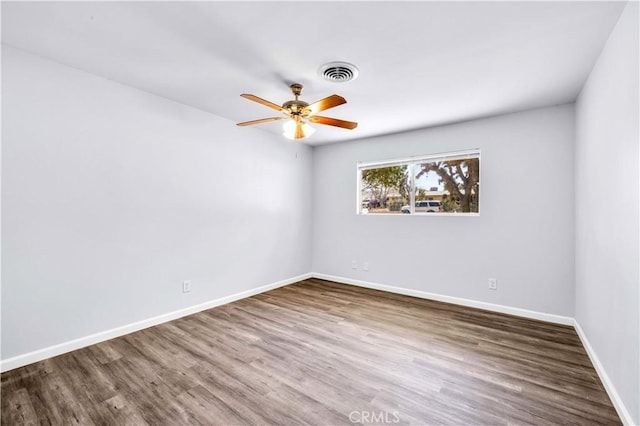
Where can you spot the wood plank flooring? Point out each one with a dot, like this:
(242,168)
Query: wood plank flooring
(320,353)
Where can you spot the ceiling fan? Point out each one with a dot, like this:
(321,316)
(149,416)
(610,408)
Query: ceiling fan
(300,112)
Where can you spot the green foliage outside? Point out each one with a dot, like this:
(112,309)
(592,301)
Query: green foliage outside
(461,178)
(381,181)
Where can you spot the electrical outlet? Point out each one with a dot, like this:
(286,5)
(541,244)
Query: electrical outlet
(493,284)
(365,266)
(354,264)
(186,286)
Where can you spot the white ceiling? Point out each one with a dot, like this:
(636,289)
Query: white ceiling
(421,63)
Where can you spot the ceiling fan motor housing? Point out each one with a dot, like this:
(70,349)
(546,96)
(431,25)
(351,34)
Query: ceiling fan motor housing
(295,107)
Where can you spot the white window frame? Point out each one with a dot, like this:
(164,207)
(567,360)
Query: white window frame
(411,161)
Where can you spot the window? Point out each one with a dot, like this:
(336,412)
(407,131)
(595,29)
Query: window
(443,183)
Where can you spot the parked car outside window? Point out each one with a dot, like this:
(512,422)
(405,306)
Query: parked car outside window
(426,206)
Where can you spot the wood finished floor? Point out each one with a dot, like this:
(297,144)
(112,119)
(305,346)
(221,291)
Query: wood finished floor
(318,352)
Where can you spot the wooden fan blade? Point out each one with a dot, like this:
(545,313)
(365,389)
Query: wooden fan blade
(299,131)
(333,122)
(262,120)
(326,103)
(262,101)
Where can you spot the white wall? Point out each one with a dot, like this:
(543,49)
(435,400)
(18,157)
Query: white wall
(112,196)
(523,236)
(607,197)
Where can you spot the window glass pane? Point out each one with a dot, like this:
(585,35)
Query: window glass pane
(455,183)
(384,189)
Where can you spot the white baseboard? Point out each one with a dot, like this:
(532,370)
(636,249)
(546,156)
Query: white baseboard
(624,414)
(557,319)
(59,349)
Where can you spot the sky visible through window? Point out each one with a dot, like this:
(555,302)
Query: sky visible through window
(428,181)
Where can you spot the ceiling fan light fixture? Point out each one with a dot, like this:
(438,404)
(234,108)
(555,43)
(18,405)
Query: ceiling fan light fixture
(338,72)
(293,131)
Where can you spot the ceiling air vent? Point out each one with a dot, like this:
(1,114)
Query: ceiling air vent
(339,72)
